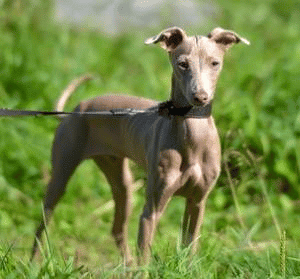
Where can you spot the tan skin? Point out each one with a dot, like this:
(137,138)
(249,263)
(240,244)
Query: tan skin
(181,155)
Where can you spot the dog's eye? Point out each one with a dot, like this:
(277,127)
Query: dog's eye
(183,65)
(215,63)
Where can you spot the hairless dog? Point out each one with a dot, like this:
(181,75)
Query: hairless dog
(178,145)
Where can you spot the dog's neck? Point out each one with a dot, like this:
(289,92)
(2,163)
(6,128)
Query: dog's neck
(178,105)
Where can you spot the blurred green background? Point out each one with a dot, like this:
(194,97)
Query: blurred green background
(256,110)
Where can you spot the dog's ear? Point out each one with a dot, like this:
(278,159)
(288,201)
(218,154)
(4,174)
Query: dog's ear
(226,38)
(169,39)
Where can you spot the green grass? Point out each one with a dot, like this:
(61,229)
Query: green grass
(251,227)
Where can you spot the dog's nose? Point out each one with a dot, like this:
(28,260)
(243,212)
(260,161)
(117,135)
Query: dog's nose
(201,97)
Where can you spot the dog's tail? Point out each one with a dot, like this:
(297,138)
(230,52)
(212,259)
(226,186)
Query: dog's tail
(70,89)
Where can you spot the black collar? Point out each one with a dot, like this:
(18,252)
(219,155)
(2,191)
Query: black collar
(167,109)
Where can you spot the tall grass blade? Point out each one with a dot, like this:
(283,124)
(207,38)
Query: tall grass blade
(234,195)
(283,254)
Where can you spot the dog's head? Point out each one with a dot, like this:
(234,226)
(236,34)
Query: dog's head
(196,61)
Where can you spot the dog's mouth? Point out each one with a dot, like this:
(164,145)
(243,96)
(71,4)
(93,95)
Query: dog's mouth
(199,99)
(200,103)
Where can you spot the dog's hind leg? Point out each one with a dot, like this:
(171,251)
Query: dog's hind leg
(67,153)
(119,176)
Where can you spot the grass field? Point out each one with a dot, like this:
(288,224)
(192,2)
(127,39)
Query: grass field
(252,223)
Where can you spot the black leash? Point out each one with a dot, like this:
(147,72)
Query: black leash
(113,112)
(165,109)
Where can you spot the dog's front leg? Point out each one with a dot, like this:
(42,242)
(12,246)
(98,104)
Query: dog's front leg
(159,191)
(193,218)
(148,222)
(195,208)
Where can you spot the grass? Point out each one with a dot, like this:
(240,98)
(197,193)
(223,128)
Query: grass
(251,229)
(222,256)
